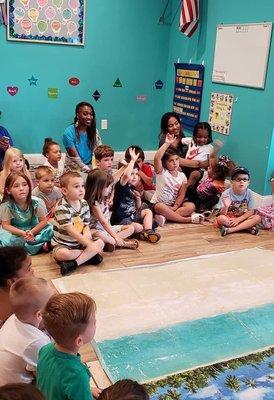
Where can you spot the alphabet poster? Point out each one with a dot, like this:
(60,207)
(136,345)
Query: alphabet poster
(220,112)
(189,79)
(47,21)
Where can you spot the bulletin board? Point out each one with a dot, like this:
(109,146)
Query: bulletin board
(188,88)
(241,54)
(46,21)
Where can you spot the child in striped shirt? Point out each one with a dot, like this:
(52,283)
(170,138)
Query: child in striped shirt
(72,239)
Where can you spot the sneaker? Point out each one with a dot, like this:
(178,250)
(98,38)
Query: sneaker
(224,230)
(254,230)
(150,235)
(95,260)
(67,266)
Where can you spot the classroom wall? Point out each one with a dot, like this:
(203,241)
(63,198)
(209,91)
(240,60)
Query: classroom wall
(249,142)
(123,40)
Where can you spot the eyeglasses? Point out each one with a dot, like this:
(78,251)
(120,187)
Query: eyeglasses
(241,179)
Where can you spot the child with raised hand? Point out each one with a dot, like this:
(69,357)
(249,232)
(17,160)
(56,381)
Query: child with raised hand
(14,161)
(72,240)
(125,389)
(52,152)
(236,206)
(46,190)
(20,336)
(207,194)
(199,149)
(127,204)
(70,320)
(98,189)
(146,173)
(15,264)
(171,186)
(23,217)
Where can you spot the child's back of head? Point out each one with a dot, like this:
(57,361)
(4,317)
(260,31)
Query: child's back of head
(20,391)
(67,317)
(28,296)
(125,389)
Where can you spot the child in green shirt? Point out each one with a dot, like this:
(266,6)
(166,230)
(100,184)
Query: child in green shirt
(70,320)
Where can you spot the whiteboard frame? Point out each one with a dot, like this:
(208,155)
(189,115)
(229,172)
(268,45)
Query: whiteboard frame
(220,81)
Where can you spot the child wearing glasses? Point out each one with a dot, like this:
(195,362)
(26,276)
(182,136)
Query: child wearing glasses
(236,206)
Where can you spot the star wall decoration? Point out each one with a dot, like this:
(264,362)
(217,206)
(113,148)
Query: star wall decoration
(33,81)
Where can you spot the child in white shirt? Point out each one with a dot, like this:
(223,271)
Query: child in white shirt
(52,152)
(199,149)
(20,336)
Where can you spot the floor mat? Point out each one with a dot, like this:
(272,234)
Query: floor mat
(246,378)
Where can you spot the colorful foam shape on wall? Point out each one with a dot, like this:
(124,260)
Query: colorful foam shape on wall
(53,93)
(117,83)
(32,81)
(141,97)
(12,90)
(74,81)
(96,95)
(159,84)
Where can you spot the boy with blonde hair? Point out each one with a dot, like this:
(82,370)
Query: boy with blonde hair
(70,320)
(46,190)
(20,336)
(72,239)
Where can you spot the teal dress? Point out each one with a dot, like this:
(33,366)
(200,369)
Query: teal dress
(23,219)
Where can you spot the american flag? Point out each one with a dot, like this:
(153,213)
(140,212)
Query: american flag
(189,17)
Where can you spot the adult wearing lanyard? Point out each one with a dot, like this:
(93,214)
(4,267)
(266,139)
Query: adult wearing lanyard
(81,138)
(5,143)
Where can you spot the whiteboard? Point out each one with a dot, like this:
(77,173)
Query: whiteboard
(241,54)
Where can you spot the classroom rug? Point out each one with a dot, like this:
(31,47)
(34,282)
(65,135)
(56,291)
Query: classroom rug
(245,378)
(156,320)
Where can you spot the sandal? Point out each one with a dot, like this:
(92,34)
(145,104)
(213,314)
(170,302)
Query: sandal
(131,244)
(197,218)
(109,247)
(224,230)
(254,230)
(150,235)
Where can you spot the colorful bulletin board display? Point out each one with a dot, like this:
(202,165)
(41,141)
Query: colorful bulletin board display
(220,112)
(189,79)
(46,21)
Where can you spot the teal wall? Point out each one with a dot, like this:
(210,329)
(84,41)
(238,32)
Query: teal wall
(249,142)
(123,40)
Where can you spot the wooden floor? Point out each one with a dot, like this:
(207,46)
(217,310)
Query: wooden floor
(178,241)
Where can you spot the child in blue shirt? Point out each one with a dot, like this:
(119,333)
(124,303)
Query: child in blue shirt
(236,206)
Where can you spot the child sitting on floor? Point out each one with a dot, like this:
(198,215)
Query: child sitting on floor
(46,190)
(20,336)
(14,161)
(52,152)
(267,213)
(127,205)
(72,239)
(23,217)
(146,173)
(236,206)
(15,264)
(70,320)
(98,189)
(171,186)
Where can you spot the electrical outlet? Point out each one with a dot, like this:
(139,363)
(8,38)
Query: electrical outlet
(104,124)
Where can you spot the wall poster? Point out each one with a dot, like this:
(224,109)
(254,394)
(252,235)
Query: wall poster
(189,79)
(46,21)
(220,112)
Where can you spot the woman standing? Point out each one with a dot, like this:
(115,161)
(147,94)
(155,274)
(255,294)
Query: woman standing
(81,138)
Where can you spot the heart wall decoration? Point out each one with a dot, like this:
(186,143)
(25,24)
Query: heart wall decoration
(12,90)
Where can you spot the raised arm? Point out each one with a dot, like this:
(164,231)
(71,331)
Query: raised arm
(158,165)
(128,170)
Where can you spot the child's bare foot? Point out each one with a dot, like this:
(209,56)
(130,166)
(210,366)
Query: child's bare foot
(160,219)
